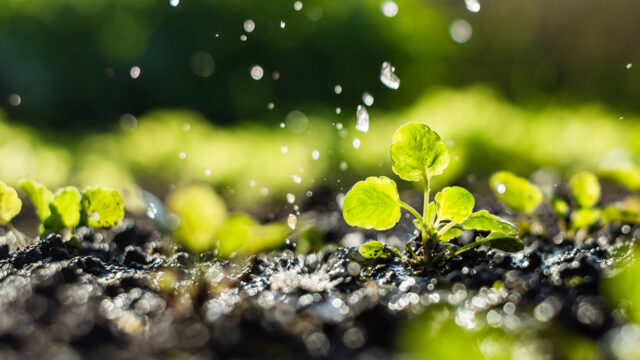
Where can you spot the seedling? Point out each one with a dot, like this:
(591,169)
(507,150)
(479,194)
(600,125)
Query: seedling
(418,154)
(67,208)
(10,206)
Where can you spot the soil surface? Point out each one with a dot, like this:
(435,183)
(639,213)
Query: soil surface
(127,293)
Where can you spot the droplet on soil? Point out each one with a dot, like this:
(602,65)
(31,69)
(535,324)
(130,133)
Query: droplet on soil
(388,76)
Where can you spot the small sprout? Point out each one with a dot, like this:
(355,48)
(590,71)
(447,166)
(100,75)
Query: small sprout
(585,217)
(40,198)
(516,192)
(418,154)
(10,204)
(65,209)
(101,207)
(560,207)
(377,250)
(585,188)
(243,235)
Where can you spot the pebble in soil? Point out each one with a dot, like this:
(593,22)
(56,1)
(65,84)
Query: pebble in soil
(126,293)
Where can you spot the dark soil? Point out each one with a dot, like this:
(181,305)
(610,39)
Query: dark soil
(127,294)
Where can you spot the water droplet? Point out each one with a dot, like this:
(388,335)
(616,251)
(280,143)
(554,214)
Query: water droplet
(501,188)
(367,98)
(388,76)
(216,35)
(296,179)
(297,122)
(174,3)
(207,172)
(282,24)
(249,25)
(291,198)
(264,191)
(252,183)
(629,65)
(337,89)
(362,119)
(284,149)
(343,165)
(186,127)
(460,31)
(282,125)
(182,155)
(621,118)
(243,37)
(94,216)
(389,8)
(309,193)
(275,75)
(134,72)
(315,154)
(14,99)
(339,126)
(257,72)
(202,64)
(472,5)
(271,105)
(338,110)
(292,220)
(356,143)
(297,6)
(128,122)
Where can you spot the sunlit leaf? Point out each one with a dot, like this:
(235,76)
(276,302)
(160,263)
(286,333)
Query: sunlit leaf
(560,206)
(102,208)
(201,212)
(40,197)
(417,151)
(585,217)
(484,221)
(243,235)
(372,203)
(516,192)
(585,188)
(433,212)
(452,233)
(65,209)
(10,203)
(377,250)
(501,241)
(454,204)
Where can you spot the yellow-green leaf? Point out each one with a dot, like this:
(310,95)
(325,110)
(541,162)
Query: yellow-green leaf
(10,203)
(516,192)
(201,212)
(451,233)
(372,203)
(101,207)
(243,235)
(65,209)
(585,188)
(377,250)
(484,221)
(560,206)
(501,241)
(454,204)
(417,151)
(40,197)
(585,217)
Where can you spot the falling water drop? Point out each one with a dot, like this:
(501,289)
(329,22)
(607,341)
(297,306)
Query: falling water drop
(356,143)
(501,188)
(271,105)
(291,198)
(343,165)
(134,72)
(337,89)
(297,6)
(243,37)
(338,110)
(389,8)
(629,65)
(257,72)
(296,179)
(207,172)
(472,5)
(367,98)
(388,76)
(292,220)
(174,3)
(182,155)
(362,119)
(16,100)
(249,25)
(315,154)
(460,31)
(282,24)
(284,149)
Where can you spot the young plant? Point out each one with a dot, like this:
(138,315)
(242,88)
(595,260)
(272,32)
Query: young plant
(10,206)
(418,154)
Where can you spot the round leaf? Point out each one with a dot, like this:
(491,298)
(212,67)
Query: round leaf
(501,241)
(40,197)
(65,209)
(102,208)
(484,221)
(454,204)
(451,233)
(516,192)
(417,151)
(377,250)
(585,217)
(10,203)
(372,203)
(586,188)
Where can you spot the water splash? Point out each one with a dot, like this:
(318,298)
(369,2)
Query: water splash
(362,119)
(388,76)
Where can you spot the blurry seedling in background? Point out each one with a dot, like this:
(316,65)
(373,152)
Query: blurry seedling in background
(67,208)
(10,206)
(518,194)
(204,225)
(418,154)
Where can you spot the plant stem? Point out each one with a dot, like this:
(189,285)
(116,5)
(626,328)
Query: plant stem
(446,228)
(426,231)
(469,246)
(16,234)
(412,211)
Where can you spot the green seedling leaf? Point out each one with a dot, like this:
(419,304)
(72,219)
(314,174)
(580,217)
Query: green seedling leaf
(101,207)
(516,192)
(65,209)
(40,198)
(372,203)
(417,151)
(201,213)
(484,221)
(501,241)
(452,233)
(377,250)
(243,235)
(561,207)
(10,203)
(585,188)
(585,217)
(454,204)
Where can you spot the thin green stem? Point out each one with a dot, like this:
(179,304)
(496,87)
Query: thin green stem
(413,211)
(427,231)
(469,246)
(446,228)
